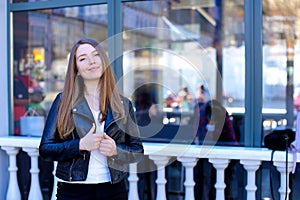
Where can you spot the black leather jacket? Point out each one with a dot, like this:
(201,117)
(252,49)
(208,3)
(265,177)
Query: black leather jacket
(73,163)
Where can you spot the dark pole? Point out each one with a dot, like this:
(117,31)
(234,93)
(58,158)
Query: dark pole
(290,75)
(218,44)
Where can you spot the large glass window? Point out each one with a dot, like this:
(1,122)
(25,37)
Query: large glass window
(281,79)
(42,40)
(171,49)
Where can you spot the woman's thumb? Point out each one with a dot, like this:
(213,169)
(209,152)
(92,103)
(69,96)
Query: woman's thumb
(92,130)
(105,136)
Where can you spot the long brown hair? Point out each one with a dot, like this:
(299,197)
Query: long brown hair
(74,87)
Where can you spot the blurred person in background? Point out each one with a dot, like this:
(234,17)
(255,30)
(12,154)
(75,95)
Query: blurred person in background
(212,127)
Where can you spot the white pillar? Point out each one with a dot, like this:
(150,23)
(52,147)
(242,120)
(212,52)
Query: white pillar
(189,164)
(251,166)
(13,192)
(161,162)
(281,167)
(6,112)
(35,189)
(54,191)
(220,165)
(133,179)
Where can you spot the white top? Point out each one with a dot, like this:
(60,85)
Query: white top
(98,171)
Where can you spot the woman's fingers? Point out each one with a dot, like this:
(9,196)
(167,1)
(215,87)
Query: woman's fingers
(108,146)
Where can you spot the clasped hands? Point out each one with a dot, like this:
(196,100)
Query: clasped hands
(104,143)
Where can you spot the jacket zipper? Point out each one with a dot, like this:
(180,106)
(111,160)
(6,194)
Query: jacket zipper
(115,120)
(73,160)
(70,172)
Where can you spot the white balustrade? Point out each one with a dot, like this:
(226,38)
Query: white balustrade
(13,192)
(53,197)
(161,162)
(161,154)
(35,190)
(133,179)
(251,166)
(189,164)
(284,178)
(220,165)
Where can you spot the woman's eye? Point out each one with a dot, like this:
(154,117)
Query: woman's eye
(81,59)
(97,54)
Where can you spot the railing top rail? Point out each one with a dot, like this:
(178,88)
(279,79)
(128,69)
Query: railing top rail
(177,150)
(219,152)
(20,141)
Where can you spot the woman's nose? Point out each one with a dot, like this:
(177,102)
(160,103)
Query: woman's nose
(91,60)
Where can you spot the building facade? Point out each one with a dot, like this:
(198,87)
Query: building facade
(245,53)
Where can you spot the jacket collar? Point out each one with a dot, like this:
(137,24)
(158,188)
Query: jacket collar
(83,108)
(109,118)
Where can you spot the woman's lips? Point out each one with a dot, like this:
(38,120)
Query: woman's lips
(93,68)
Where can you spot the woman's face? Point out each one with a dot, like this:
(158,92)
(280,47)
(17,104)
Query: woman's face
(88,61)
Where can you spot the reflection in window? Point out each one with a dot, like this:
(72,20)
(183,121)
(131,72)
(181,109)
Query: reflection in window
(280,59)
(180,45)
(41,42)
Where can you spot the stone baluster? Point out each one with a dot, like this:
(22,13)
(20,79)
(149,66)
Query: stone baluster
(133,179)
(251,166)
(281,167)
(220,165)
(161,162)
(189,164)
(35,189)
(54,191)
(13,192)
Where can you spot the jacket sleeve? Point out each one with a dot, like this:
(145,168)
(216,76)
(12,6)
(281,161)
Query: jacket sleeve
(51,147)
(132,149)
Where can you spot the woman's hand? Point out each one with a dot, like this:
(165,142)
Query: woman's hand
(90,141)
(108,146)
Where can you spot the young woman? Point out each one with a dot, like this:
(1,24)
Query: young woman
(90,129)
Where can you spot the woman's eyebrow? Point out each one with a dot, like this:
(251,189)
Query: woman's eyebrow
(84,54)
(95,51)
